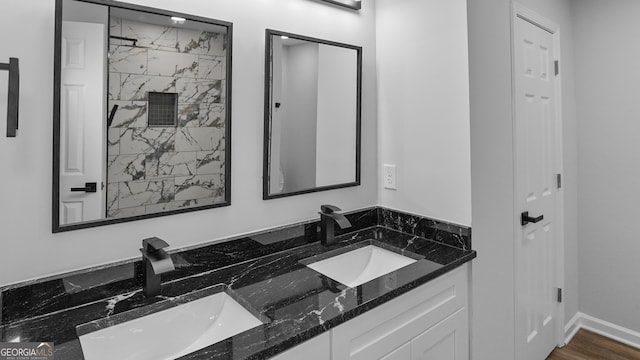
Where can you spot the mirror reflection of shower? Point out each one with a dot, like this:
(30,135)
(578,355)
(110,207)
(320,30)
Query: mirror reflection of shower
(143,112)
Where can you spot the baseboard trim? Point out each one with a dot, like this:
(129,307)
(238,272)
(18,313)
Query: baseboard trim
(602,327)
(572,328)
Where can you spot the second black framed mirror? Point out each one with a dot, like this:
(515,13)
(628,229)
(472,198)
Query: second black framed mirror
(313,91)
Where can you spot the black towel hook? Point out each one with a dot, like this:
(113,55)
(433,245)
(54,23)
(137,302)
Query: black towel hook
(13,96)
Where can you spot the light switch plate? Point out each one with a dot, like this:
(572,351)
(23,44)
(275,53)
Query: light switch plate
(389,177)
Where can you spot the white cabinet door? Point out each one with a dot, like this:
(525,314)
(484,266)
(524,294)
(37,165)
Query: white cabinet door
(447,340)
(401,353)
(388,327)
(317,348)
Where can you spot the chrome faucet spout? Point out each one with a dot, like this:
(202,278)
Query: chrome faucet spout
(157,262)
(328,218)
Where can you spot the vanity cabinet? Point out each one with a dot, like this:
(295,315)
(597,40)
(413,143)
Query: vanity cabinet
(429,322)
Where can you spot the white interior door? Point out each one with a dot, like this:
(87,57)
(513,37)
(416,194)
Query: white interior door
(536,190)
(82,121)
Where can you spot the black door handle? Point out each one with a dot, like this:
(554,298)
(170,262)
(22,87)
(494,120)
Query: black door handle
(525,218)
(13,95)
(89,187)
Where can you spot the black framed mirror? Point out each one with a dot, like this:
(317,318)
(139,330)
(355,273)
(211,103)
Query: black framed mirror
(312,115)
(142,113)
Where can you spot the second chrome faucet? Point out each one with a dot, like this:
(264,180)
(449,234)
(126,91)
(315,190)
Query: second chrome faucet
(328,219)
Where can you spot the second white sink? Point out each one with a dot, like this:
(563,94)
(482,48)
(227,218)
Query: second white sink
(356,267)
(170,333)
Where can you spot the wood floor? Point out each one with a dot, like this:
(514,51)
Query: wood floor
(587,345)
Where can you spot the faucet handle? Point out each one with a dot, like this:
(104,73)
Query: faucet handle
(328,209)
(153,244)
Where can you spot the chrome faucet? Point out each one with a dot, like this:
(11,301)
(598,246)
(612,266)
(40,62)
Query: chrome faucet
(157,262)
(328,218)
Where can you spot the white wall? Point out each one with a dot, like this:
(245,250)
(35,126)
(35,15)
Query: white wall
(28,249)
(492,172)
(607,94)
(423,112)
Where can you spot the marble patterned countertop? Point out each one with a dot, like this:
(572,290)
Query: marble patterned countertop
(264,269)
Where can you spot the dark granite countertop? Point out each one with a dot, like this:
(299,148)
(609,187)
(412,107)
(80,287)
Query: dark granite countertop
(263,269)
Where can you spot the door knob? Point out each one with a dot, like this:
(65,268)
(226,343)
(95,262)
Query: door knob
(525,218)
(89,187)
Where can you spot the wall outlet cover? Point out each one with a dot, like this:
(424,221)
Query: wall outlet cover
(389,177)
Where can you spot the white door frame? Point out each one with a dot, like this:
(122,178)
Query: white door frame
(522,12)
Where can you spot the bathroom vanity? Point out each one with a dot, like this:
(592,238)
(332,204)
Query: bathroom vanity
(420,308)
(429,322)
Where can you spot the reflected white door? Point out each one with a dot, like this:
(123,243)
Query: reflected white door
(536,191)
(82,121)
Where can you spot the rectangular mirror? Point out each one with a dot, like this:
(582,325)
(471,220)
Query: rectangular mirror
(141,113)
(312,115)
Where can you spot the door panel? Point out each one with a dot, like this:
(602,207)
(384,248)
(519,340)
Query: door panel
(82,122)
(535,191)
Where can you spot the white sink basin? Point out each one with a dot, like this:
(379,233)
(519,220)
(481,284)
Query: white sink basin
(170,333)
(356,267)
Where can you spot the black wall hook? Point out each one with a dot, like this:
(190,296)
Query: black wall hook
(13,95)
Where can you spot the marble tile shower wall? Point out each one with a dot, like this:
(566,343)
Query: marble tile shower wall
(153,169)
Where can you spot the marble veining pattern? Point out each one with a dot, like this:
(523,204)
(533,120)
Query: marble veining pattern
(211,68)
(448,233)
(125,168)
(198,139)
(138,193)
(153,169)
(208,162)
(135,87)
(152,37)
(179,65)
(200,42)
(113,141)
(127,59)
(199,91)
(147,140)
(161,164)
(130,114)
(200,115)
(199,187)
(268,277)
(112,196)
